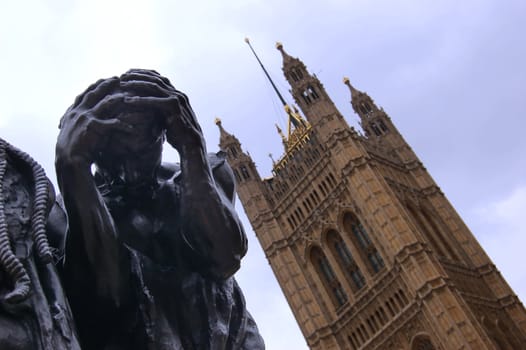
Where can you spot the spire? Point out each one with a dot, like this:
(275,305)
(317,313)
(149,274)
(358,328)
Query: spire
(290,62)
(362,104)
(224,136)
(283,138)
(295,121)
(272,159)
(354,93)
(286,57)
(374,121)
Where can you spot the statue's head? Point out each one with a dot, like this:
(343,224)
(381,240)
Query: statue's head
(132,155)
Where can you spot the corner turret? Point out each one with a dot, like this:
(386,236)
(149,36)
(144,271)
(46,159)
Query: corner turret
(374,121)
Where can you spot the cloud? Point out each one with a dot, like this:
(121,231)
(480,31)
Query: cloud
(450,74)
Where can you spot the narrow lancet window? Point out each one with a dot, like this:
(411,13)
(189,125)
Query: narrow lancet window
(376,130)
(306,97)
(382,125)
(363,243)
(299,73)
(313,92)
(236,174)
(346,261)
(362,108)
(244,172)
(328,277)
(294,76)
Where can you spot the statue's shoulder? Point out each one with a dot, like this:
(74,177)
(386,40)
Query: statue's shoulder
(221,171)
(223,174)
(217,162)
(169,170)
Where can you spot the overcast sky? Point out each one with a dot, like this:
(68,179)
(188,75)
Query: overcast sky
(451,75)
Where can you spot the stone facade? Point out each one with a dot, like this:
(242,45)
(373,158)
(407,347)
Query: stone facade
(369,252)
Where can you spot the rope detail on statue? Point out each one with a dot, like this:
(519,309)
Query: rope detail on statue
(8,261)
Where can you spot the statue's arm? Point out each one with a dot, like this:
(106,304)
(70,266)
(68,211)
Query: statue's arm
(93,252)
(91,243)
(210,225)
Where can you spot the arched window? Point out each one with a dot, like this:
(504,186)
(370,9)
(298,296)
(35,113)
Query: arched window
(307,200)
(298,73)
(324,185)
(328,277)
(236,174)
(244,172)
(382,125)
(333,180)
(322,190)
(313,92)
(293,219)
(306,97)
(371,325)
(495,331)
(310,94)
(395,306)
(366,107)
(345,259)
(363,243)
(389,307)
(316,195)
(362,108)
(506,333)
(422,342)
(382,315)
(438,233)
(353,342)
(294,76)
(439,250)
(376,130)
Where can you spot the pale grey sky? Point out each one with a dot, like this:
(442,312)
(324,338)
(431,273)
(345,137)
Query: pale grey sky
(449,73)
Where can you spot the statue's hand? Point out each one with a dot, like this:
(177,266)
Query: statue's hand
(147,89)
(85,127)
(183,130)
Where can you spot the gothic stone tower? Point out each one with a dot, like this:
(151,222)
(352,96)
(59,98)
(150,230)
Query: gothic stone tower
(368,251)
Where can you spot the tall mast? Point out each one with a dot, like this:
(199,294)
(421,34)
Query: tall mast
(266,73)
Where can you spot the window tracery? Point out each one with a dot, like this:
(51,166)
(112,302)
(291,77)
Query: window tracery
(363,243)
(345,259)
(328,277)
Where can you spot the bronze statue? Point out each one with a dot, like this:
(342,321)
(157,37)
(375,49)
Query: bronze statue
(34,313)
(151,248)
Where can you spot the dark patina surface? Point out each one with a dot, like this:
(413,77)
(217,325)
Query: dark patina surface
(149,249)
